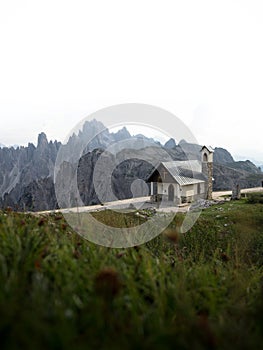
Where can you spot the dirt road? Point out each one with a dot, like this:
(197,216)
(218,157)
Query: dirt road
(142,202)
(219,194)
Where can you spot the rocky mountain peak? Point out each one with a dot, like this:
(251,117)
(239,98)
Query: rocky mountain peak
(222,156)
(42,140)
(92,127)
(122,134)
(170,143)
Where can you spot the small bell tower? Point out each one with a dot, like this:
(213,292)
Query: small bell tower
(207,168)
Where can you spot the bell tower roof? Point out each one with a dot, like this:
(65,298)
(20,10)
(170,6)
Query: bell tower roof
(208,148)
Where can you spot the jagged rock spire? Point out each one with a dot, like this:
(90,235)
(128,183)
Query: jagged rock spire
(42,140)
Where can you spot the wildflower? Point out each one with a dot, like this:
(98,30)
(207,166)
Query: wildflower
(64,226)
(107,283)
(41,222)
(207,334)
(172,235)
(225,257)
(37,264)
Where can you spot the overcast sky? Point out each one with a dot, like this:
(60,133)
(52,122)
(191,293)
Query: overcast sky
(201,60)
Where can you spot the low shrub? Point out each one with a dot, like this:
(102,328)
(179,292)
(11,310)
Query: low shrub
(254,198)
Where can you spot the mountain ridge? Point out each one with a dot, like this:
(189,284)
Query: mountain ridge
(26,173)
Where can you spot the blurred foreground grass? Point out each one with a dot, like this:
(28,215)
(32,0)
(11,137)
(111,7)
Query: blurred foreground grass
(200,290)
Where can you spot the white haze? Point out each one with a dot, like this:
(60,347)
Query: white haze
(201,60)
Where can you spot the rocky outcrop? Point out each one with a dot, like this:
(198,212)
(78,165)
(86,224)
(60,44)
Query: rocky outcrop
(122,134)
(37,195)
(122,178)
(225,178)
(222,156)
(21,166)
(247,166)
(170,144)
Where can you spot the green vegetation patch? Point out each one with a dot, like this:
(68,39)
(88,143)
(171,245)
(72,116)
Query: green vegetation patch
(253,198)
(199,290)
(119,218)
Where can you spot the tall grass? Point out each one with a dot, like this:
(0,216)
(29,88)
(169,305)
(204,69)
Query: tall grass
(200,290)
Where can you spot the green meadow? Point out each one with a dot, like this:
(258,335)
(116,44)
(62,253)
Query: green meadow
(198,290)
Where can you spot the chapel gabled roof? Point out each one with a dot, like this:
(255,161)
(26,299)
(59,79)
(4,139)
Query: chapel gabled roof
(184,172)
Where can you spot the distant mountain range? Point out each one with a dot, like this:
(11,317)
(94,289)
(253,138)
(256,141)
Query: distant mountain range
(26,173)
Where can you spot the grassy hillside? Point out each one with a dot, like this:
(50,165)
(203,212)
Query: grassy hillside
(201,290)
